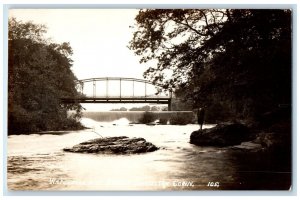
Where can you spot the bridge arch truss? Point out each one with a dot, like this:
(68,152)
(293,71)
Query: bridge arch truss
(120,98)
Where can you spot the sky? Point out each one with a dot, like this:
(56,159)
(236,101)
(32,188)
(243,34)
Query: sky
(98,37)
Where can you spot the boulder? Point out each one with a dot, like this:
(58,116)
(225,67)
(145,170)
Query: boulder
(221,135)
(250,146)
(113,145)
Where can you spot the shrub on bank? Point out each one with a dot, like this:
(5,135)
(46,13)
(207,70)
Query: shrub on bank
(181,120)
(163,121)
(147,117)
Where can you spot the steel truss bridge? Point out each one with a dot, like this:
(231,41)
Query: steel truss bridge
(106,97)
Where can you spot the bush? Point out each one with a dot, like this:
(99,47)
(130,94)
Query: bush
(180,120)
(163,121)
(147,117)
(217,112)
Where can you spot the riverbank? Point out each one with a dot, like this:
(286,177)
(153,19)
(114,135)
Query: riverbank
(63,129)
(134,117)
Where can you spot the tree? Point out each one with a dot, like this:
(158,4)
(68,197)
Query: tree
(144,108)
(119,109)
(237,59)
(155,108)
(39,73)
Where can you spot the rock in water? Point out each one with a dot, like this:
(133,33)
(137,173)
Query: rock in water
(249,146)
(113,145)
(221,135)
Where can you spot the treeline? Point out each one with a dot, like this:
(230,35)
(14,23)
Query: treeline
(142,108)
(176,105)
(171,118)
(39,73)
(235,62)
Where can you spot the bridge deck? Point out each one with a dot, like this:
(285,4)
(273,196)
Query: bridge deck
(158,100)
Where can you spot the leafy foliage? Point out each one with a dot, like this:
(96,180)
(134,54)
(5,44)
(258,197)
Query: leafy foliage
(238,60)
(163,120)
(181,119)
(39,74)
(147,117)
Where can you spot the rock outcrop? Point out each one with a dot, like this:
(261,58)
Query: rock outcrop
(250,146)
(114,145)
(221,135)
(275,139)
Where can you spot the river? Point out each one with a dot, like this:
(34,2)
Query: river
(37,162)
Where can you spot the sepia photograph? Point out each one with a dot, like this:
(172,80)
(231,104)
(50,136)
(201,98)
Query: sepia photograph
(149,99)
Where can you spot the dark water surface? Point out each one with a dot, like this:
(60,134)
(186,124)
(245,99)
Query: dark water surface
(37,162)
